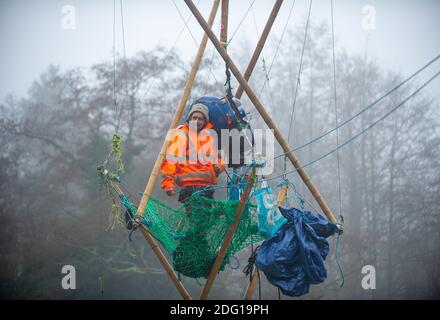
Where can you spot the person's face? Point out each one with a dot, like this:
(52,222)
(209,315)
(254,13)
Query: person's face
(199,119)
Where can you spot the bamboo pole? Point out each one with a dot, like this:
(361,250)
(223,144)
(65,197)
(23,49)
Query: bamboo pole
(256,102)
(254,277)
(281,195)
(260,45)
(252,284)
(156,168)
(163,260)
(228,238)
(224,24)
(116,187)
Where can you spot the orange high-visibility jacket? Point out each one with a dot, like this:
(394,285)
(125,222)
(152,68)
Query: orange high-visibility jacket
(190,158)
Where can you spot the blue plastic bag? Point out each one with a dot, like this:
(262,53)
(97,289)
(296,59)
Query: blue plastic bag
(270,218)
(294,257)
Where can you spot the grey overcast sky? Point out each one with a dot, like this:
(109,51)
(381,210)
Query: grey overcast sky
(32,34)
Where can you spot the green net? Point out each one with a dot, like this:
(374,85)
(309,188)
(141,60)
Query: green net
(194,234)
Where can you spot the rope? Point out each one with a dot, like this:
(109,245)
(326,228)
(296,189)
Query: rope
(249,268)
(118,111)
(341,219)
(125,61)
(242,19)
(237,261)
(336,115)
(168,53)
(198,282)
(101,284)
(362,111)
(296,193)
(192,36)
(266,80)
(230,96)
(264,64)
(298,80)
(279,44)
(299,71)
(129,235)
(337,260)
(214,50)
(238,117)
(363,131)
(259,285)
(114,67)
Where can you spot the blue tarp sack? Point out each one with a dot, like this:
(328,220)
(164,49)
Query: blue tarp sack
(294,257)
(270,218)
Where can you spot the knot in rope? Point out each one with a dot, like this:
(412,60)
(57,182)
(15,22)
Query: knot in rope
(248,270)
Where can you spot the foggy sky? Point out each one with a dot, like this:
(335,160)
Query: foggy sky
(32,37)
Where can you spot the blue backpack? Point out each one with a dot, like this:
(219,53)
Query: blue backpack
(221,114)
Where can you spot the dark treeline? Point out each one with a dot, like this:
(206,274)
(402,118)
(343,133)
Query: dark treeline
(53,212)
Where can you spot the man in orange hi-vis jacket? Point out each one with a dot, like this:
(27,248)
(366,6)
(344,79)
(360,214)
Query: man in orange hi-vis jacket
(192,160)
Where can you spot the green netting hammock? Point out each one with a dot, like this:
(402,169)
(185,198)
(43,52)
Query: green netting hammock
(193,234)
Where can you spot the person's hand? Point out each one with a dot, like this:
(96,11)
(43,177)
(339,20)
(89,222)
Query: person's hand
(171,192)
(217,169)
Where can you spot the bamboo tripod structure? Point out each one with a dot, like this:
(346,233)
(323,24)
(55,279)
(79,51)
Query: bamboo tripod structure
(244,87)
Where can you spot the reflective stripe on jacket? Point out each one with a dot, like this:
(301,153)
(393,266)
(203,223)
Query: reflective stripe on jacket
(190,158)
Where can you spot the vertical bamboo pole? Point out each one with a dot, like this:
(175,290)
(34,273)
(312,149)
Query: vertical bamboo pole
(260,45)
(252,285)
(254,277)
(156,168)
(281,195)
(228,238)
(224,24)
(256,102)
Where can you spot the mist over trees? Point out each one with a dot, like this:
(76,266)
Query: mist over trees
(54,214)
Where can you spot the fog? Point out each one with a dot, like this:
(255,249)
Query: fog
(57,85)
